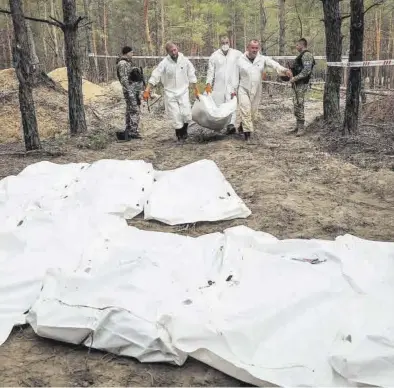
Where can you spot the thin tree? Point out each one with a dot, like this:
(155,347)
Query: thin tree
(350,124)
(332,87)
(147,29)
(282,26)
(69,26)
(162,19)
(93,64)
(24,72)
(357,13)
(263,21)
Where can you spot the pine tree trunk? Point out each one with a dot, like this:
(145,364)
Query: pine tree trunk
(356,54)
(332,87)
(93,65)
(74,73)
(282,27)
(378,34)
(263,22)
(147,30)
(157,38)
(162,15)
(33,54)
(24,74)
(105,25)
(44,42)
(57,60)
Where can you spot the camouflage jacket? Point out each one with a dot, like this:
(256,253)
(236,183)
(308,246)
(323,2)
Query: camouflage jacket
(124,67)
(303,66)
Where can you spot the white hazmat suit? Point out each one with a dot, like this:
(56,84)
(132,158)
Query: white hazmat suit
(175,78)
(222,76)
(249,76)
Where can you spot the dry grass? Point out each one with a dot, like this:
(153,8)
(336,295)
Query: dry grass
(380,110)
(8,80)
(371,147)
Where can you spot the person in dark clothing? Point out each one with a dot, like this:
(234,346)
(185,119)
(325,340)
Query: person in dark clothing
(130,77)
(302,71)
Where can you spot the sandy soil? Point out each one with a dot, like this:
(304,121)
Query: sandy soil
(293,186)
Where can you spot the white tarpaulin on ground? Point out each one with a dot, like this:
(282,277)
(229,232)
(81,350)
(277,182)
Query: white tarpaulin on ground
(196,192)
(240,301)
(236,301)
(209,115)
(192,193)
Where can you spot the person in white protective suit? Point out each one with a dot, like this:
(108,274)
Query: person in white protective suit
(250,68)
(222,76)
(176,73)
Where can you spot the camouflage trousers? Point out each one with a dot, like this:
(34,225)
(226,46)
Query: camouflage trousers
(299,91)
(132,117)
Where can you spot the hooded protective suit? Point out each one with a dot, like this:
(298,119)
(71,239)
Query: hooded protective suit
(175,78)
(249,76)
(222,75)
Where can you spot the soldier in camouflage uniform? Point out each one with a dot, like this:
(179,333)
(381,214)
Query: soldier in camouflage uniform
(131,80)
(302,71)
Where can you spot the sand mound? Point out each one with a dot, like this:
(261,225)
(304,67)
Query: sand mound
(115,89)
(380,111)
(89,89)
(51,110)
(8,80)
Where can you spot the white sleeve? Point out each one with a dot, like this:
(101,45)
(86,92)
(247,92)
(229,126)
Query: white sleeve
(211,70)
(274,65)
(235,78)
(157,73)
(191,72)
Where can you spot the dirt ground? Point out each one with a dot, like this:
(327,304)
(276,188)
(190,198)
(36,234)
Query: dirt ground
(294,186)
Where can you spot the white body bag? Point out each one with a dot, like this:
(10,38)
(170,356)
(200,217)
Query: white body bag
(209,115)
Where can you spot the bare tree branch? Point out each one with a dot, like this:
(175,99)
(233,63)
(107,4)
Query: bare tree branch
(85,25)
(52,23)
(79,20)
(56,21)
(299,17)
(374,5)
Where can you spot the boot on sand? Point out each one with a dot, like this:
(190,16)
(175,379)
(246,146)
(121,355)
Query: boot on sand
(181,133)
(184,131)
(178,133)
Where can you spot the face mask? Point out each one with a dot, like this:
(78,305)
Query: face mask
(225,47)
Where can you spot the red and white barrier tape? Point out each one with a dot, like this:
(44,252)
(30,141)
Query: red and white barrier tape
(344,63)
(385,62)
(196,57)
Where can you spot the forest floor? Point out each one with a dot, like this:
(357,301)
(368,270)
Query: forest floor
(309,187)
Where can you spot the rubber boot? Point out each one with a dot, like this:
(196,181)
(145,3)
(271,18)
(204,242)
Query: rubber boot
(178,133)
(247,136)
(184,131)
